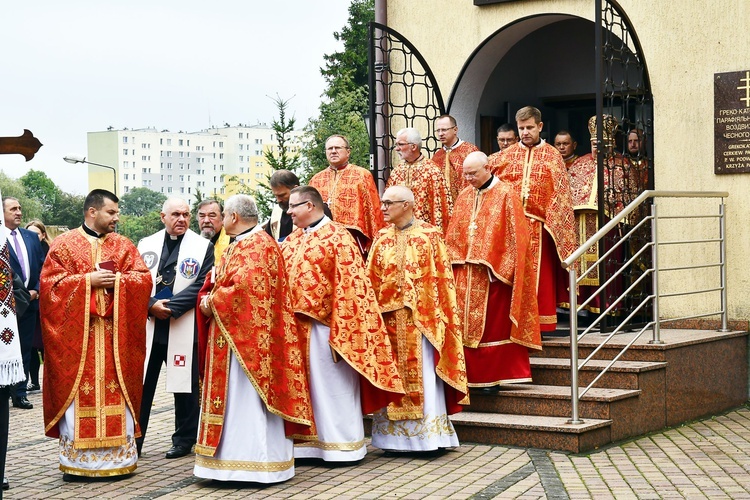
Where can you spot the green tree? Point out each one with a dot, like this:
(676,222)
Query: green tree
(137,227)
(347,70)
(342,115)
(283,158)
(68,211)
(141,201)
(283,126)
(346,97)
(41,188)
(31,208)
(199,197)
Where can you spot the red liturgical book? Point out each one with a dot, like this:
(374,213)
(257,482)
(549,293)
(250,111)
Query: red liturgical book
(107,265)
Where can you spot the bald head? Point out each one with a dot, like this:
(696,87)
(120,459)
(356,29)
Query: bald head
(476,171)
(398,205)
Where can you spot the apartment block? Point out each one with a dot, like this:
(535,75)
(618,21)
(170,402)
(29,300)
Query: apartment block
(218,162)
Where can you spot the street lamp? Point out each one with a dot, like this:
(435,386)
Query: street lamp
(82,159)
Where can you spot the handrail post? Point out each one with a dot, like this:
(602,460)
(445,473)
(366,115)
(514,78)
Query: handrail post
(723,267)
(656,339)
(574,419)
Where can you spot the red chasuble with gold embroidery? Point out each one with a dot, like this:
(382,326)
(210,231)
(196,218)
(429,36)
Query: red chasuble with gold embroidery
(583,185)
(432,199)
(489,235)
(451,163)
(539,177)
(254,320)
(96,338)
(353,198)
(329,284)
(411,273)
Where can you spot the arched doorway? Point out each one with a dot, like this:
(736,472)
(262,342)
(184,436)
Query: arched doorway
(545,61)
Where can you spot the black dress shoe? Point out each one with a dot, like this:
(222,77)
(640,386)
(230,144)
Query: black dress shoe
(22,403)
(6,484)
(33,388)
(178,451)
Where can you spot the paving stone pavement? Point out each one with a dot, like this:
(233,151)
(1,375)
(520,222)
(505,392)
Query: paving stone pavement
(703,459)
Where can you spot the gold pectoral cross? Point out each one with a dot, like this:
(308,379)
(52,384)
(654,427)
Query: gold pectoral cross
(477,203)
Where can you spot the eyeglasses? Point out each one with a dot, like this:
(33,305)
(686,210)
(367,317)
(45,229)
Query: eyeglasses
(442,130)
(506,141)
(295,205)
(402,144)
(388,203)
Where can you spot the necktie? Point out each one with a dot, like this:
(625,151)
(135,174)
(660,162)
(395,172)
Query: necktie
(19,253)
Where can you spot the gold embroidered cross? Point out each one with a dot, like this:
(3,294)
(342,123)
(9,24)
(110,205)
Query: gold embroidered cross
(221,342)
(86,388)
(112,386)
(217,402)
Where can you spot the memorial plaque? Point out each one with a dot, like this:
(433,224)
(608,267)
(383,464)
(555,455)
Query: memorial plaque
(732,122)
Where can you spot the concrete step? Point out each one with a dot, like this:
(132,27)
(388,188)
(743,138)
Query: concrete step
(547,400)
(531,431)
(633,411)
(622,375)
(559,347)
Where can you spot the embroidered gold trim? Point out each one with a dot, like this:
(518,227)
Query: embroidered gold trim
(213,463)
(98,473)
(495,344)
(332,446)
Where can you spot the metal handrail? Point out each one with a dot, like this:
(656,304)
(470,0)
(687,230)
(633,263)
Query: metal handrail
(617,219)
(654,274)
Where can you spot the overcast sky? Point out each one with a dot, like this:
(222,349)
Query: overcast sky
(76,66)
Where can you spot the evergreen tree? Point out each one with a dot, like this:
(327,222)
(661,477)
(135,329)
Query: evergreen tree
(345,100)
(284,157)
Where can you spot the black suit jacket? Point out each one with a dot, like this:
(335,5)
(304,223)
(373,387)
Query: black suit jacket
(184,300)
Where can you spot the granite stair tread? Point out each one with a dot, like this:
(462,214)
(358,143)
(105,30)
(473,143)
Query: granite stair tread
(599,364)
(527,422)
(559,392)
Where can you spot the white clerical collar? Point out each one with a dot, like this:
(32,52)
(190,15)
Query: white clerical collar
(540,143)
(451,148)
(325,220)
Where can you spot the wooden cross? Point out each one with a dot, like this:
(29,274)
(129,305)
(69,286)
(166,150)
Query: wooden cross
(26,145)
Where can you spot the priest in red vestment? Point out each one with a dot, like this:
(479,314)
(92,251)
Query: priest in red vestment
(489,244)
(450,157)
(410,270)
(94,291)
(255,392)
(350,193)
(351,365)
(506,137)
(432,199)
(584,189)
(566,145)
(536,172)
